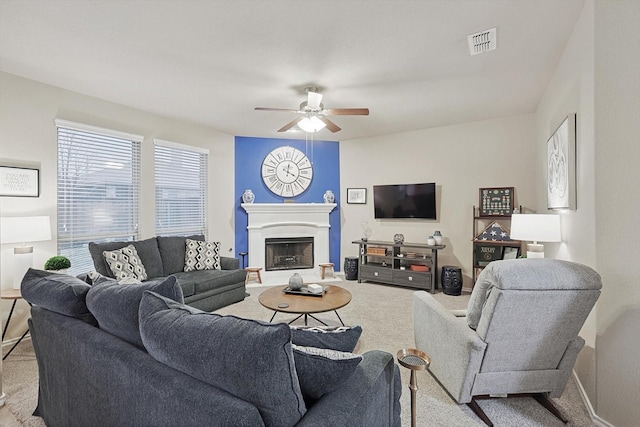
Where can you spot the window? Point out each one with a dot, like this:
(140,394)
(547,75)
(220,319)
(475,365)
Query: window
(98,189)
(181,189)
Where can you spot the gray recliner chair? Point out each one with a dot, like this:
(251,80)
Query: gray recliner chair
(519,335)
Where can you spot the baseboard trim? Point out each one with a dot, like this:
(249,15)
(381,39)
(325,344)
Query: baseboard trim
(585,399)
(12,341)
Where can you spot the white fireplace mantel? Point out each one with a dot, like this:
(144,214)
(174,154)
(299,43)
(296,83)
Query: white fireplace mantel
(274,220)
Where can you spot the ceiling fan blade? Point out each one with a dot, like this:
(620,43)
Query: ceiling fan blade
(313,100)
(275,109)
(289,125)
(330,125)
(347,112)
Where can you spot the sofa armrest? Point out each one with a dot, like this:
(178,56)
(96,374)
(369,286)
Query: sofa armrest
(371,396)
(228,263)
(456,351)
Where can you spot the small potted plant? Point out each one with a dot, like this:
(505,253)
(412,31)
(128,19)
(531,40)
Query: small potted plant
(58,263)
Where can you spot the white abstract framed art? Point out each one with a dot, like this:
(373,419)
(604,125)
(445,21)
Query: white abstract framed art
(561,166)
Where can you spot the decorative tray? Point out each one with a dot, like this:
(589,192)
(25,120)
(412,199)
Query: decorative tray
(304,291)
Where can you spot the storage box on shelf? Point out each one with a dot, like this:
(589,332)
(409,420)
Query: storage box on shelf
(404,264)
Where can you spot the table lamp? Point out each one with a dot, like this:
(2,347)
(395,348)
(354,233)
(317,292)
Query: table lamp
(535,228)
(23,230)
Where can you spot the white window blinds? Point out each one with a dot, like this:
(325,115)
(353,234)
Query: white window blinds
(98,189)
(181,189)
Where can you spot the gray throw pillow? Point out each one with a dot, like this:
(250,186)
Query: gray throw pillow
(250,359)
(125,264)
(321,371)
(115,306)
(341,338)
(201,255)
(57,292)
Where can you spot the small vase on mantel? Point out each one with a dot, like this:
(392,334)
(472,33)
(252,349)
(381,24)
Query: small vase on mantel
(248,196)
(329,197)
(295,282)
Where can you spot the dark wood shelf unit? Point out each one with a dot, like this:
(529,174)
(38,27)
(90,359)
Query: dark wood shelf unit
(486,221)
(394,266)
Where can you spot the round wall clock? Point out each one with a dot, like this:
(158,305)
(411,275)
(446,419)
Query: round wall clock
(287,171)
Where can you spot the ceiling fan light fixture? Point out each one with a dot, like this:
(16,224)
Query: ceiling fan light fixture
(311,124)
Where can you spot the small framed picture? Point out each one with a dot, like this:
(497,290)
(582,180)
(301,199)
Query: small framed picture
(19,182)
(496,201)
(357,196)
(510,253)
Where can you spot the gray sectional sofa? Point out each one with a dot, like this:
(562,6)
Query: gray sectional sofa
(164,256)
(120,355)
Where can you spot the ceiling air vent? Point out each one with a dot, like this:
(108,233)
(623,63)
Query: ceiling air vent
(482,42)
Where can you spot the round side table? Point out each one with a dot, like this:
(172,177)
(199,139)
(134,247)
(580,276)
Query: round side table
(415,360)
(15,295)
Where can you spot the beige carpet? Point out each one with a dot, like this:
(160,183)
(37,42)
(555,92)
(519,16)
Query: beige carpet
(385,313)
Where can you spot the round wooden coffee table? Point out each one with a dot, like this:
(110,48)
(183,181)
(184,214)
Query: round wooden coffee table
(334,298)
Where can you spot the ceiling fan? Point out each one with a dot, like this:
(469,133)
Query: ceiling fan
(313,114)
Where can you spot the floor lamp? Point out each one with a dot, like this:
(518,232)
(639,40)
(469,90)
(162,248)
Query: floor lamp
(24,230)
(535,228)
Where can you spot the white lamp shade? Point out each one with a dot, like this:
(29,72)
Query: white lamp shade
(536,227)
(25,229)
(311,124)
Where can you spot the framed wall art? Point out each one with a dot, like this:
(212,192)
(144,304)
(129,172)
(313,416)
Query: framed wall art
(19,182)
(357,196)
(561,166)
(496,201)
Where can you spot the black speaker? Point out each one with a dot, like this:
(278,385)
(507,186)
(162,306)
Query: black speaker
(451,280)
(351,268)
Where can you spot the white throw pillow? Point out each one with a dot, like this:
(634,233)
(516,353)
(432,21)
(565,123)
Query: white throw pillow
(201,255)
(125,264)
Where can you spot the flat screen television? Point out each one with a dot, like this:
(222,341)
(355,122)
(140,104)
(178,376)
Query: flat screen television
(405,201)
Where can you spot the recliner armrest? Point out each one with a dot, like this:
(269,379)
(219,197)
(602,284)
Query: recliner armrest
(456,351)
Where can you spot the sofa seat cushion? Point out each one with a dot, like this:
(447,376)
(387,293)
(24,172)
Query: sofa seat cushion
(147,251)
(115,305)
(172,251)
(57,292)
(250,359)
(207,280)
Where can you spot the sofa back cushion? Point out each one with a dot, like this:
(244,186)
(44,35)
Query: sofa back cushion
(57,292)
(172,251)
(115,306)
(147,251)
(250,359)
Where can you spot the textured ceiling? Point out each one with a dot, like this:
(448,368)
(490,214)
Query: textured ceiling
(212,62)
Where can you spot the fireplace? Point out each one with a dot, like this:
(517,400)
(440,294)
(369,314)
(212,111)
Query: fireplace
(288,221)
(288,253)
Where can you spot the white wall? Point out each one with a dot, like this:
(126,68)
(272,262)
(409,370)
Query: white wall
(597,78)
(28,138)
(571,90)
(617,177)
(460,159)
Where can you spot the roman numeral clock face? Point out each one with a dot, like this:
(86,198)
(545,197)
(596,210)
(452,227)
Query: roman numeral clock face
(287,171)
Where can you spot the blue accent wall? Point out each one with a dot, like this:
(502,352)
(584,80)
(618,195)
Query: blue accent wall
(325,156)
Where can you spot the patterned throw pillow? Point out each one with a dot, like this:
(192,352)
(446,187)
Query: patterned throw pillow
(341,338)
(201,255)
(125,264)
